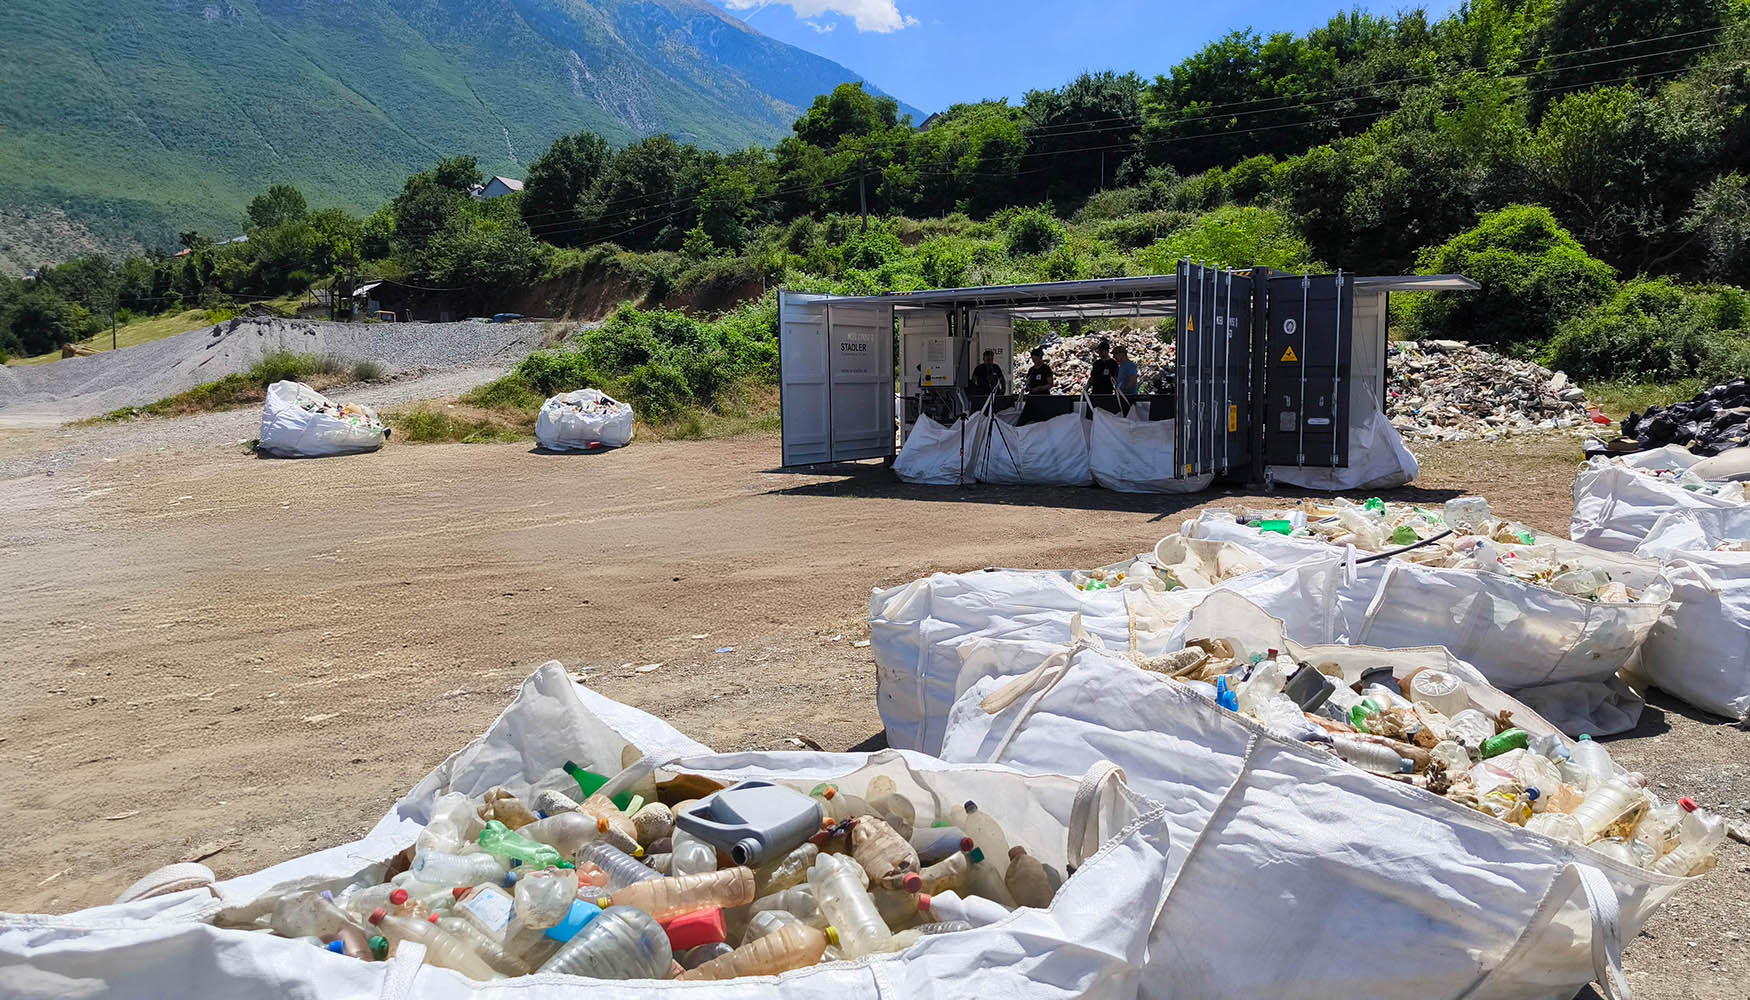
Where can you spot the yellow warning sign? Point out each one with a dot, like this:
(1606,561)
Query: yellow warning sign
(1190,325)
(1233,419)
(1289,355)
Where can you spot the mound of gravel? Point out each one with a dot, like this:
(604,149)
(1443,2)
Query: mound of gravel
(73,388)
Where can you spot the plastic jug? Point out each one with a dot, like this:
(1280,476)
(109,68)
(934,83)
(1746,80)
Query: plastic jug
(847,905)
(622,943)
(1698,837)
(670,897)
(793,947)
(752,820)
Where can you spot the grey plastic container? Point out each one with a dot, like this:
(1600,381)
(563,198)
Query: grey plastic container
(752,821)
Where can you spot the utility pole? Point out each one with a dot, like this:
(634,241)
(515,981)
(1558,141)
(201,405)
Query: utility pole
(862,193)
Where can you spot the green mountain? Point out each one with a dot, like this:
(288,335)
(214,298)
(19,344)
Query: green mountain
(123,124)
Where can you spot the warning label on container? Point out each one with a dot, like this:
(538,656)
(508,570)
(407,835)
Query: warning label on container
(1289,355)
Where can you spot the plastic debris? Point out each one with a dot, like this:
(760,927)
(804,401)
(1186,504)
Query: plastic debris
(1447,390)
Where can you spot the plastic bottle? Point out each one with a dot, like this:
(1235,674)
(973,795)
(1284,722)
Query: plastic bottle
(1616,849)
(487,907)
(622,943)
(896,906)
(453,827)
(543,898)
(691,856)
(1533,770)
(501,841)
(668,897)
(889,858)
(502,805)
(692,958)
(948,873)
(603,808)
(982,827)
(1658,828)
(1471,728)
(894,809)
(833,806)
(622,869)
(1698,836)
(943,927)
(1551,746)
(439,868)
(974,910)
(306,914)
(1371,756)
(1026,880)
(571,832)
(798,901)
(768,922)
(402,904)
(1501,742)
(985,878)
(934,843)
(1557,826)
(847,905)
(491,952)
(441,947)
(1467,515)
(1266,681)
(1593,759)
(1608,804)
(789,870)
(794,947)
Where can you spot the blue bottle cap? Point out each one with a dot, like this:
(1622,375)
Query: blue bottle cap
(336,947)
(1532,793)
(576,919)
(509,879)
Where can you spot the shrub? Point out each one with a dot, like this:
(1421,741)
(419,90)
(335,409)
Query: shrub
(1033,231)
(366,371)
(1533,273)
(1655,330)
(1232,236)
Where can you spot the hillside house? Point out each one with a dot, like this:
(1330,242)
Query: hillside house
(498,187)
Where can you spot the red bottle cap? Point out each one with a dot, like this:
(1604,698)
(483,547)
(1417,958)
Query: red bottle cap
(966,843)
(433,918)
(398,896)
(1688,804)
(829,793)
(460,891)
(690,930)
(378,914)
(912,882)
(924,901)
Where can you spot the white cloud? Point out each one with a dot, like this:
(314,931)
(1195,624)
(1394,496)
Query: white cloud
(881,16)
(824,29)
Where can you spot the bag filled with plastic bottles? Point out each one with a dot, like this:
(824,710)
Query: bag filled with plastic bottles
(583,419)
(299,422)
(1384,819)
(1618,501)
(581,845)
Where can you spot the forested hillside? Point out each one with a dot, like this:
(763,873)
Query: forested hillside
(1584,159)
(125,124)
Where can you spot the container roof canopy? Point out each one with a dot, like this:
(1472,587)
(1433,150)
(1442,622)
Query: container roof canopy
(1152,295)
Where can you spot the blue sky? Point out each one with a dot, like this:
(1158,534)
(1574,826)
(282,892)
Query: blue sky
(933,53)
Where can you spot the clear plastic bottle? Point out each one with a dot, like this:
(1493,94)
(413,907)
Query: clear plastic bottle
(986,833)
(1370,756)
(692,958)
(503,805)
(889,859)
(570,832)
(1616,849)
(441,947)
(663,862)
(491,951)
(1557,826)
(1658,828)
(1593,759)
(896,906)
(933,843)
(847,905)
(948,873)
(789,870)
(454,825)
(1614,801)
(985,878)
(663,898)
(603,808)
(452,870)
(1698,836)
(793,947)
(622,869)
(543,898)
(768,922)
(691,855)
(798,901)
(487,907)
(1027,880)
(501,841)
(1266,682)
(893,808)
(622,943)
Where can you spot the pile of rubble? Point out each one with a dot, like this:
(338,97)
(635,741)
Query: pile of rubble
(1714,421)
(1447,390)
(1071,357)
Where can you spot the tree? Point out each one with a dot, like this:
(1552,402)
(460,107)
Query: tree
(645,198)
(41,320)
(849,112)
(556,180)
(1078,134)
(460,174)
(277,206)
(726,207)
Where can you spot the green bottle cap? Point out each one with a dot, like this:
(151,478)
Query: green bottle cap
(975,855)
(379,946)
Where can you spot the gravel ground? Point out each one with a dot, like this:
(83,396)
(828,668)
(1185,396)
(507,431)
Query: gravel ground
(74,388)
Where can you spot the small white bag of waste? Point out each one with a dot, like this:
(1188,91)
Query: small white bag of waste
(299,422)
(940,454)
(584,419)
(1618,501)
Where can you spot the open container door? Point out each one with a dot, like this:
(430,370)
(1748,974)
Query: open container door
(835,376)
(804,388)
(1212,338)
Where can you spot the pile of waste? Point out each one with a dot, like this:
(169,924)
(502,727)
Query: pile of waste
(1447,390)
(1464,534)
(753,879)
(299,422)
(1424,729)
(582,420)
(1070,359)
(352,413)
(1714,421)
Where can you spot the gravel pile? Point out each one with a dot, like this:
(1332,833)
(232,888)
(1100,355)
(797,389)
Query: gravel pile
(1071,357)
(1447,390)
(73,388)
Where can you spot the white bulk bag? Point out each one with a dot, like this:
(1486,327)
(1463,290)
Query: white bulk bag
(916,629)
(1133,455)
(1695,530)
(1378,459)
(563,427)
(1700,649)
(1089,943)
(289,430)
(1051,452)
(1615,504)
(940,454)
(1558,654)
(1296,875)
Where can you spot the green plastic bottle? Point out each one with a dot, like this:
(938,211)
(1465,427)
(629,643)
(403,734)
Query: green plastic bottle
(1279,527)
(591,783)
(501,841)
(1501,742)
(1403,534)
(1373,503)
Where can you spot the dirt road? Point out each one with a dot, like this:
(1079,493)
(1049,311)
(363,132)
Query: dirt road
(213,651)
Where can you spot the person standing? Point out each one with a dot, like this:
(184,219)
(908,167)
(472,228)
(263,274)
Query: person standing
(1104,371)
(1039,377)
(1128,373)
(986,378)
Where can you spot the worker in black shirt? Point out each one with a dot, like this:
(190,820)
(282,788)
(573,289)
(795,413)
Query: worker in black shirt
(1104,371)
(1039,376)
(986,378)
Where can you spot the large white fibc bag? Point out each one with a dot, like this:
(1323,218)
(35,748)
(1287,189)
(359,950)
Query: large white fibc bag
(584,419)
(1089,943)
(1696,531)
(939,454)
(299,422)
(1558,654)
(1378,459)
(1616,505)
(1132,455)
(1700,649)
(1296,875)
(1051,452)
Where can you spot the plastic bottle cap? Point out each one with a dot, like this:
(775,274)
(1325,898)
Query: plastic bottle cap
(378,914)
(1532,793)
(975,855)
(379,945)
(459,891)
(601,824)
(433,918)
(638,852)
(509,879)
(398,896)
(924,899)
(966,843)
(336,947)
(829,793)
(1585,736)
(568,866)
(912,882)
(971,806)
(1016,851)
(1688,804)
(832,935)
